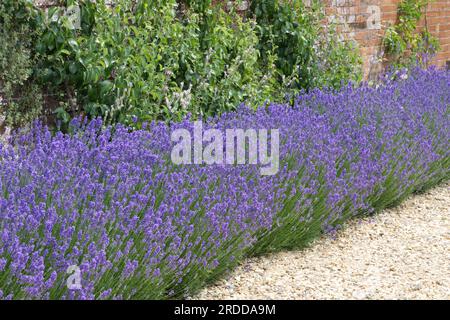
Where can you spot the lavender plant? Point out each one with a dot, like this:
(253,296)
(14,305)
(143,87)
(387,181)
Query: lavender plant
(109,200)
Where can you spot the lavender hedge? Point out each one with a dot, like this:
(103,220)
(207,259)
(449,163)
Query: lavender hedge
(111,202)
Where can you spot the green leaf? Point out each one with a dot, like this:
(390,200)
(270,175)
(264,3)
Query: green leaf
(73,68)
(105,87)
(62,114)
(73,44)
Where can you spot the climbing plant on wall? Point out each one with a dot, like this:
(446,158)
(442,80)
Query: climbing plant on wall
(404,44)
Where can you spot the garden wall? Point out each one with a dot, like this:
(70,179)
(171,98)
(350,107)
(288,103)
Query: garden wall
(366,21)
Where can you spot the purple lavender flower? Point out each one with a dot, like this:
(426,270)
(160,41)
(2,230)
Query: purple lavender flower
(109,200)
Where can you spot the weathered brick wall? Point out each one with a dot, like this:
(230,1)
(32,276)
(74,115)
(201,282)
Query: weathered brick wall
(366,22)
(438,20)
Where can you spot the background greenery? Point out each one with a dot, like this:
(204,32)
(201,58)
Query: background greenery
(18,88)
(163,59)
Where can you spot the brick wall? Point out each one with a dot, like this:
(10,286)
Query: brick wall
(366,21)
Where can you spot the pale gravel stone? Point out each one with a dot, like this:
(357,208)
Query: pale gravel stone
(401,253)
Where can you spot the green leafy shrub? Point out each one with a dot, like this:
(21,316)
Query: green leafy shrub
(335,62)
(308,54)
(18,31)
(289,31)
(155,59)
(144,60)
(35,78)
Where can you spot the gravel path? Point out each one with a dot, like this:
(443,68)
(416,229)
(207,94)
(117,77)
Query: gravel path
(401,253)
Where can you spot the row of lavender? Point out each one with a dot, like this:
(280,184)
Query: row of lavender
(111,203)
